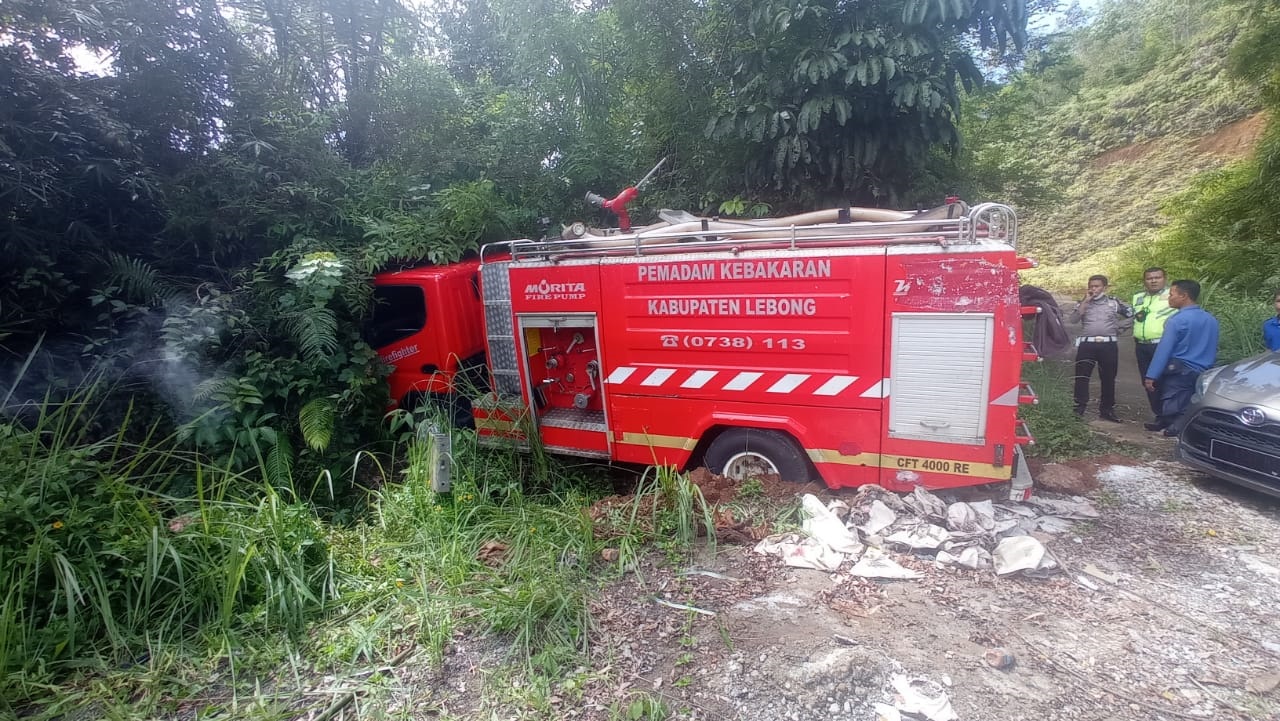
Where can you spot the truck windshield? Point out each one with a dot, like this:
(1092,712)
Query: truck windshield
(399,311)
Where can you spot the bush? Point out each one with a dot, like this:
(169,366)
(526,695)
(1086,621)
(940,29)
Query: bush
(1059,433)
(98,562)
(1240,319)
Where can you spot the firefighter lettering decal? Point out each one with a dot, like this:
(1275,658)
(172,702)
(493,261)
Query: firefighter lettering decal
(399,354)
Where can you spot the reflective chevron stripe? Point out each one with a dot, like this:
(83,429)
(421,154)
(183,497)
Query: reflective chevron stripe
(825,385)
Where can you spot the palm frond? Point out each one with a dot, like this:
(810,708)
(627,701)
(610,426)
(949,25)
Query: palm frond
(315,330)
(316,421)
(139,281)
(279,465)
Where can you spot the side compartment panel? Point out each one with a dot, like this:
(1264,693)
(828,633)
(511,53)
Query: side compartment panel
(956,310)
(787,327)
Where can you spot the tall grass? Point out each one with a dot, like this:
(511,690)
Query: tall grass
(506,548)
(510,550)
(100,564)
(1059,433)
(1240,319)
(105,565)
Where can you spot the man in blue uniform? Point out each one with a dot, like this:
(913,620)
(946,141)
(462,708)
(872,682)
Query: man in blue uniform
(1187,348)
(1271,328)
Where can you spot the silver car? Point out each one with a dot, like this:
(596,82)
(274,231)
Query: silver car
(1233,424)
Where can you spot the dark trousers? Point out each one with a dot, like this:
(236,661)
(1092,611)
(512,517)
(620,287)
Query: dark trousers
(1177,385)
(1106,358)
(1147,351)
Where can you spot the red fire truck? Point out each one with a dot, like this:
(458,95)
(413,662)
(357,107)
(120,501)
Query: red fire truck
(854,346)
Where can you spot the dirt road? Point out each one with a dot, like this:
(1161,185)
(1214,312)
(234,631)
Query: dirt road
(1167,608)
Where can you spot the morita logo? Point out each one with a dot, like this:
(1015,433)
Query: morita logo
(546,290)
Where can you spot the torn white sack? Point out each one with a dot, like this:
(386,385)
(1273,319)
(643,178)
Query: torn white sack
(922,536)
(876,564)
(1021,553)
(915,696)
(798,552)
(825,526)
(879,518)
(974,558)
(971,517)
(926,505)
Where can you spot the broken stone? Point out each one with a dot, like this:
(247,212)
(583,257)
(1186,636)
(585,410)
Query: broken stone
(1265,683)
(998,658)
(1075,508)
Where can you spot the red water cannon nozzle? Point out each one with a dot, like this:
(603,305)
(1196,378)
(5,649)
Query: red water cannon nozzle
(617,205)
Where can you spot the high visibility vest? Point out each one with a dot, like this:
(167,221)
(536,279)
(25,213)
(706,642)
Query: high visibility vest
(1151,327)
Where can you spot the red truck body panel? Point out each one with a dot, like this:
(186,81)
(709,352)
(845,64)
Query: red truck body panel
(428,359)
(889,363)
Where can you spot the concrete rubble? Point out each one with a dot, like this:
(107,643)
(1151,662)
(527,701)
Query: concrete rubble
(858,535)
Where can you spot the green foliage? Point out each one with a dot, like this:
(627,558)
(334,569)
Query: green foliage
(99,561)
(1218,226)
(638,706)
(1098,130)
(850,98)
(1240,319)
(1059,433)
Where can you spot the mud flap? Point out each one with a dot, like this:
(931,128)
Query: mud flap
(1020,485)
(440,459)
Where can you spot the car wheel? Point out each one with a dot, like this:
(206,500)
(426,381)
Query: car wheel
(746,453)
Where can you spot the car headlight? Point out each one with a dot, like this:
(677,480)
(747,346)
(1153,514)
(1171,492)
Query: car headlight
(1202,383)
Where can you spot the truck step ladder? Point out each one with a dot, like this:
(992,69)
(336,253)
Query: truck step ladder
(500,329)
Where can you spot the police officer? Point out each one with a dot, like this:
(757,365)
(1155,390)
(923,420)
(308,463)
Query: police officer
(1100,317)
(1151,310)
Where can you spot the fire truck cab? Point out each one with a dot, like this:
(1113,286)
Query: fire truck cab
(885,351)
(428,325)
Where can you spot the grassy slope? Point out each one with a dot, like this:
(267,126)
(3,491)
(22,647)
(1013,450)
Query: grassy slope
(1127,142)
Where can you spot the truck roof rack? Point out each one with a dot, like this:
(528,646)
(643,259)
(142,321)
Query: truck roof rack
(984,222)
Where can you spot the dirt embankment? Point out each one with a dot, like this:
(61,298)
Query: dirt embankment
(1230,142)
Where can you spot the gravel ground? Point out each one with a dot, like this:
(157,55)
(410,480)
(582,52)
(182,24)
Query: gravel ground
(1166,608)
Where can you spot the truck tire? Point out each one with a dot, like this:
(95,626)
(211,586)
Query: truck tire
(745,453)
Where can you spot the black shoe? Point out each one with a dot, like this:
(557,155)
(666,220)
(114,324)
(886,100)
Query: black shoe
(1110,417)
(1169,433)
(1079,411)
(1157,426)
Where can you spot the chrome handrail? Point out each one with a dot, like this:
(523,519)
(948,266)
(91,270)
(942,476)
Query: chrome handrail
(984,222)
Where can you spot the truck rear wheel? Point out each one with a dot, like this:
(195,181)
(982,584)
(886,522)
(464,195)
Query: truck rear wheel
(746,453)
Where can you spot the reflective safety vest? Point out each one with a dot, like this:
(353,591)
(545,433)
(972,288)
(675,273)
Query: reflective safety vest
(1150,314)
